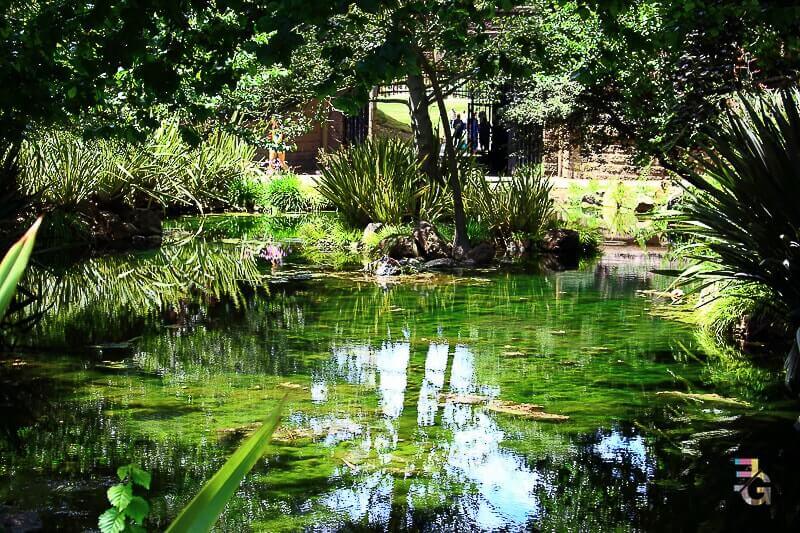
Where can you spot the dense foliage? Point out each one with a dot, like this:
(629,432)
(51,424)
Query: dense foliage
(740,209)
(520,205)
(375,181)
(63,170)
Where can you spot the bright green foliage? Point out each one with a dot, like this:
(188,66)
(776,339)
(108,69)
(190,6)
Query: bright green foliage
(205,508)
(285,194)
(66,171)
(662,70)
(328,240)
(722,308)
(520,205)
(375,181)
(128,511)
(741,208)
(244,193)
(13,266)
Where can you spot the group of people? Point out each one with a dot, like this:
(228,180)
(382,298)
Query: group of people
(477,130)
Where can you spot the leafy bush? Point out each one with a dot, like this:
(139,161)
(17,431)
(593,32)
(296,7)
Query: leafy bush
(285,193)
(64,170)
(375,181)
(244,193)
(372,240)
(519,205)
(327,240)
(724,308)
(740,209)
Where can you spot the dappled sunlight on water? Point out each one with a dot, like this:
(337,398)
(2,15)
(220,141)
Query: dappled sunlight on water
(389,424)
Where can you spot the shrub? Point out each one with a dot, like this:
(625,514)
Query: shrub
(244,193)
(741,208)
(328,241)
(285,194)
(519,205)
(64,170)
(375,181)
(725,308)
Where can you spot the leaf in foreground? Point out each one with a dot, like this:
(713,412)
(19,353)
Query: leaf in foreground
(13,266)
(204,509)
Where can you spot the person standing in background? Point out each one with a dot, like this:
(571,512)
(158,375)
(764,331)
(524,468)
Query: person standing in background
(484,131)
(458,131)
(472,132)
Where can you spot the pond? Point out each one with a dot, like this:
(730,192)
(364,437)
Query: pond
(170,358)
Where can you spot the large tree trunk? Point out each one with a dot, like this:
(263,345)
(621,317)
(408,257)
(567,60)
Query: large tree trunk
(460,239)
(424,139)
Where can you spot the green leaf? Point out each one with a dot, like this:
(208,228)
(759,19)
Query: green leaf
(13,266)
(111,521)
(123,472)
(205,508)
(120,495)
(138,509)
(140,477)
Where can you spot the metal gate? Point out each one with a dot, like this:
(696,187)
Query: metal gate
(525,146)
(483,114)
(356,127)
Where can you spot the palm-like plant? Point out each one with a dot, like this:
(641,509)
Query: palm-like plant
(740,210)
(520,205)
(375,181)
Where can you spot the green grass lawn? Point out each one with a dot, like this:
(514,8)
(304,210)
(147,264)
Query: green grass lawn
(394,115)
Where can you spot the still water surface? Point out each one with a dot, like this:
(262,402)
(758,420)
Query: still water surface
(170,358)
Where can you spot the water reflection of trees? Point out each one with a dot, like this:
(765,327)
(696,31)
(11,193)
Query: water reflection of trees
(376,361)
(111,297)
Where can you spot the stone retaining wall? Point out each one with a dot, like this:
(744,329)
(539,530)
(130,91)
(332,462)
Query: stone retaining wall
(567,157)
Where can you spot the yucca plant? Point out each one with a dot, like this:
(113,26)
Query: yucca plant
(740,210)
(375,181)
(520,205)
(64,170)
(61,168)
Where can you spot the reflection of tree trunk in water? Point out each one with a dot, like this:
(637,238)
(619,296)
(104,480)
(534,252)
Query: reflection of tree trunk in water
(406,427)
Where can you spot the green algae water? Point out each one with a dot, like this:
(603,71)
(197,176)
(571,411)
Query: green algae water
(170,358)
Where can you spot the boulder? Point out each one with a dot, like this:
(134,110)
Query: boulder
(385,266)
(399,246)
(430,242)
(149,221)
(645,206)
(444,262)
(590,199)
(518,246)
(565,242)
(371,229)
(482,254)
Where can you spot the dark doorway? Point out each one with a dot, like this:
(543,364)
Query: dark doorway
(356,127)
